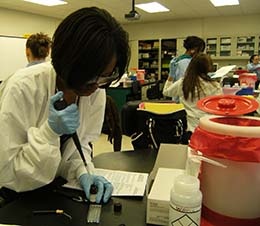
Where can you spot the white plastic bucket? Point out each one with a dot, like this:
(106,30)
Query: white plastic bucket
(233,191)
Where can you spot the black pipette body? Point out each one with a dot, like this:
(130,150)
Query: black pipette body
(60,105)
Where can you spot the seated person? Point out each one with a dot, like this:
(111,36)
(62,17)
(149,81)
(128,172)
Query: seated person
(196,84)
(254,67)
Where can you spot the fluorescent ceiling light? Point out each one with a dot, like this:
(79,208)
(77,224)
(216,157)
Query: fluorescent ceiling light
(217,3)
(152,7)
(47,2)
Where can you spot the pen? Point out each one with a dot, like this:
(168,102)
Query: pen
(58,211)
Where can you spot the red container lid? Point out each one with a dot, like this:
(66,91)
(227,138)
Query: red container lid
(248,76)
(227,105)
(239,72)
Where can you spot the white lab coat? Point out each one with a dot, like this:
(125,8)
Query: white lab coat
(30,154)
(174,89)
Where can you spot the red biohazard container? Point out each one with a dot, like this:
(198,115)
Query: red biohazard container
(241,71)
(231,196)
(247,79)
(140,75)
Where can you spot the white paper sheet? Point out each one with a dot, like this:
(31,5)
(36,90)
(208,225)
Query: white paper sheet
(223,71)
(125,183)
(9,225)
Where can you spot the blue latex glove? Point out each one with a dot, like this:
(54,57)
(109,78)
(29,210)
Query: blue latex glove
(105,188)
(64,121)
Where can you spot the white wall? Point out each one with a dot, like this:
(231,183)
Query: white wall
(17,24)
(211,26)
(206,27)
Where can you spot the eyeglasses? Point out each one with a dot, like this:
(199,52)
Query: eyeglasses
(104,80)
(101,81)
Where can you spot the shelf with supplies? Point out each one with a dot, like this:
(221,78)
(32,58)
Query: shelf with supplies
(225,46)
(168,51)
(148,56)
(233,47)
(155,55)
(246,45)
(211,46)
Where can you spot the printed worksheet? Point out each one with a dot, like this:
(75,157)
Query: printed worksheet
(125,183)
(223,71)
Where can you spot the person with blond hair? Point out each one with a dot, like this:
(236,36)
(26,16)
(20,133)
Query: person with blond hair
(37,48)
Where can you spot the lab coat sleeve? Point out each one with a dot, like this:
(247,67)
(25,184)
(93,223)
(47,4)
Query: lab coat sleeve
(250,67)
(172,68)
(170,88)
(92,110)
(29,149)
(182,67)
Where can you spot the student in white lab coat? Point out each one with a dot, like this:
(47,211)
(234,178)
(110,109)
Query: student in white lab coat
(178,65)
(196,84)
(90,49)
(37,48)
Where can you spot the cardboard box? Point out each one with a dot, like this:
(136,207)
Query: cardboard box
(172,156)
(159,196)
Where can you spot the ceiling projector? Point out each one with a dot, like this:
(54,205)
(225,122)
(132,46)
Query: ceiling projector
(132,15)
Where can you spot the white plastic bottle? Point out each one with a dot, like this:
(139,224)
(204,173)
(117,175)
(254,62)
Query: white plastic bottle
(185,203)
(236,85)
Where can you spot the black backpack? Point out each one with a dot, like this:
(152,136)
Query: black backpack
(149,130)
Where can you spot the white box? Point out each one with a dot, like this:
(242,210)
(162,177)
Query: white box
(159,196)
(172,156)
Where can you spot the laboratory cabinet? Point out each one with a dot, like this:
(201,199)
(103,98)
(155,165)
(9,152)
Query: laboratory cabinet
(233,47)
(219,46)
(155,55)
(245,46)
(211,46)
(168,51)
(148,56)
(225,46)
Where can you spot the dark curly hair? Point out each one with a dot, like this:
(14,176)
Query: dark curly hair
(252,58)
(84,44)
(194,42)
(39,44)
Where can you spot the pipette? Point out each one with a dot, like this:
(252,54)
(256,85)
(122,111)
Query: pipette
(60,105)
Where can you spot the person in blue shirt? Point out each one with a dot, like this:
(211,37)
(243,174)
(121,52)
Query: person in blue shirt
(178,65)
(254,67)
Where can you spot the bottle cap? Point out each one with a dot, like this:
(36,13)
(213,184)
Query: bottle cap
(117,207)
(186,184)
(93,189)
